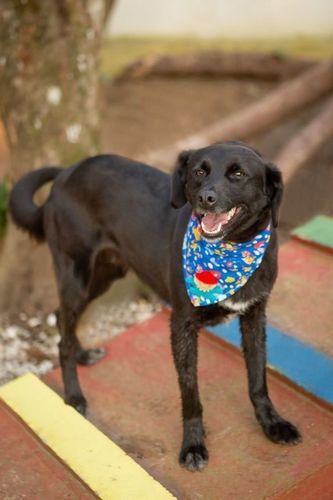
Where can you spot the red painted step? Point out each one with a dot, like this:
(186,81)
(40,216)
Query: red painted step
(134,398)
(302,300)
(28,469)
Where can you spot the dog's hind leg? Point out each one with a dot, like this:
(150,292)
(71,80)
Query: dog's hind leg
(73,298)
(184,341)
(80,280)
(276,428)
(105,269)
(84,356)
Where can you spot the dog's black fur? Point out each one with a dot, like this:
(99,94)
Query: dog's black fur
(108,214)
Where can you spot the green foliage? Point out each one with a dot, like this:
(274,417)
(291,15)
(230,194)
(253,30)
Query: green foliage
(4,192)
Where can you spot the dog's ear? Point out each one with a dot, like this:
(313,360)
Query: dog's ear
(274,189)
(178,180)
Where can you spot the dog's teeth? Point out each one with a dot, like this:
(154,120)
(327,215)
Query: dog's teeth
(231,213)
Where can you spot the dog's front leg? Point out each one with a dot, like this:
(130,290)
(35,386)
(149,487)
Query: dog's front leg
(184,340)
(253,328)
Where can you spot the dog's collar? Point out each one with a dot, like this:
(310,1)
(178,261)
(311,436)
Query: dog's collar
(214,271)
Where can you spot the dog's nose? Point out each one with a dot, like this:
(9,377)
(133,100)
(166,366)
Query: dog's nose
(207,198)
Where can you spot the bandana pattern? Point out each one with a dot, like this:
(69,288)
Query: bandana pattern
(214,271)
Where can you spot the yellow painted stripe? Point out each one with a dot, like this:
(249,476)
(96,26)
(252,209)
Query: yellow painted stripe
(100,463)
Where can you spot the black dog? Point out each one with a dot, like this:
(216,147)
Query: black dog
(108,213)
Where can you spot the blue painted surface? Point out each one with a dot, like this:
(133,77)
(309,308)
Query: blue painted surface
(304,365)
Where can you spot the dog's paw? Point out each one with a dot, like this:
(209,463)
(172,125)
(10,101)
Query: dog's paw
(283,432)
(194,458)
(78,402)
(90,356)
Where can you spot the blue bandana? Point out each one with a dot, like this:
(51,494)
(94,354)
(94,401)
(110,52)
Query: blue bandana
(214,271)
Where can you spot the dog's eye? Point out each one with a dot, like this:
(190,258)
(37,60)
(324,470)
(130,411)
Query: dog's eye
(235,172)
(200,172)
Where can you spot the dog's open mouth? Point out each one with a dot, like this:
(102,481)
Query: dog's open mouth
(213,224)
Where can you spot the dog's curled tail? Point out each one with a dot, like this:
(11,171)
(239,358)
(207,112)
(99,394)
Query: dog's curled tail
(22,208)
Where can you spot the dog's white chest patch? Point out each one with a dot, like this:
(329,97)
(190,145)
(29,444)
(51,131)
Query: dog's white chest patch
(238,307)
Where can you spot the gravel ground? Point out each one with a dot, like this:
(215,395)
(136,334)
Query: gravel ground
(32,345)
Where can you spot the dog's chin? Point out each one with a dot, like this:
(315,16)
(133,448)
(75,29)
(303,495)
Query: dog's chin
(216,226)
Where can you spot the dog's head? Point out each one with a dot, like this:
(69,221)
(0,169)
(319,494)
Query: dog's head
(230,187)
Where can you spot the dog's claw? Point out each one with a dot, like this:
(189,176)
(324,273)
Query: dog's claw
(283,432)
(78,402)
(194,458)
(90,356)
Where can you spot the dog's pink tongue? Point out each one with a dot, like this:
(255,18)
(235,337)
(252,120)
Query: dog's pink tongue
(211,222)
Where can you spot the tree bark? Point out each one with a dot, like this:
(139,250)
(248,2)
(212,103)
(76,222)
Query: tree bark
(305,143)
(263,113)
(48,105)
(218,64)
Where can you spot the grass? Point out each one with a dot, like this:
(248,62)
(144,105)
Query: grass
(118,52)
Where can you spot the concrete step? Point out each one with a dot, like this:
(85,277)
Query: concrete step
(301,304)
(134,399)
(86,464)
(28,469)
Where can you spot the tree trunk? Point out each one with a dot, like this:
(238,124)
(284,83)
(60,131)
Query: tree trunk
(217,64)
(48,105)
(263,113)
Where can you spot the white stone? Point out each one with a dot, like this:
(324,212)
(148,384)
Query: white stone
(10,332)
(44,367)
(54,95)
(51,320)
(73,132)
(33,322)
